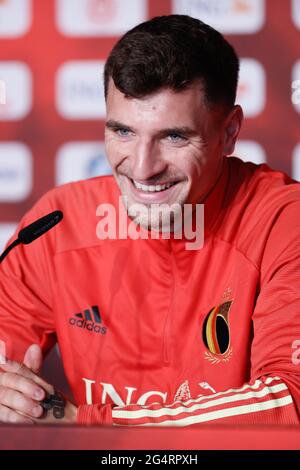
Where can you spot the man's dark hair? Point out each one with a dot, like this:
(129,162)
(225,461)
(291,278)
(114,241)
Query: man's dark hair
(174,51)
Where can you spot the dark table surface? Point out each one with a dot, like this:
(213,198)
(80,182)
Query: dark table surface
(119,438)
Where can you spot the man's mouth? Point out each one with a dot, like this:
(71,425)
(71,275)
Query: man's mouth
(153,188)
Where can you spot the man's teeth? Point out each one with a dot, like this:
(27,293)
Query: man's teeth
(152,188)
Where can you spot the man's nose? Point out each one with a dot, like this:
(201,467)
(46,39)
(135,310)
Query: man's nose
(146,160)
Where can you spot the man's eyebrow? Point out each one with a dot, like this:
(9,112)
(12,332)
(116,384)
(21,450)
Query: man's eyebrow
(184,130)
(112,124)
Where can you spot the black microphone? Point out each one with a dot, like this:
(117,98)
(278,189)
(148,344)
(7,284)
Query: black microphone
(35,230)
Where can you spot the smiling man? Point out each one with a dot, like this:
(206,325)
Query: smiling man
(151,333)
(167,147)
(169,125)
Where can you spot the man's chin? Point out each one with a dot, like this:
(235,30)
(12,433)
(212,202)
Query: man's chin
(166,219)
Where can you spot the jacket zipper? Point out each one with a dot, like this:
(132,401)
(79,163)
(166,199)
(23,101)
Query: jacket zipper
(167,329)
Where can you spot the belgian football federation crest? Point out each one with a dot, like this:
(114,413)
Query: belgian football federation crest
(216,333)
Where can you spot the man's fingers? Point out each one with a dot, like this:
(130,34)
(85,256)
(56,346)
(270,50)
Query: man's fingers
(18,402)
(9,416)
(33,358)
(17,368)
(22,384)
(21,369)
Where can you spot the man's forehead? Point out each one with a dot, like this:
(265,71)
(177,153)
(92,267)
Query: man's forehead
(191,91)
(165,108)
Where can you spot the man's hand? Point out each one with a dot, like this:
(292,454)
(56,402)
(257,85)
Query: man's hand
(22,390)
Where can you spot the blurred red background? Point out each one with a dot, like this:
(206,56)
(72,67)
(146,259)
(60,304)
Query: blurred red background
(45,41)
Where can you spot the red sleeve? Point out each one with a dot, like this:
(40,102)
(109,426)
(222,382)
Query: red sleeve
(272,396)
(25,294)
(266,401)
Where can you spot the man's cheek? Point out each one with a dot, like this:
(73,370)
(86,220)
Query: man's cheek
(113,154)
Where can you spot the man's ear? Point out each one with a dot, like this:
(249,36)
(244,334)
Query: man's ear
(231,129)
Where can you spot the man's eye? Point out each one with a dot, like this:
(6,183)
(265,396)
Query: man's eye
(123,132)
(176,138)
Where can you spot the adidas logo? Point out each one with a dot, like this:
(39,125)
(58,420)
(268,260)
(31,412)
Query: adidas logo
(90,320)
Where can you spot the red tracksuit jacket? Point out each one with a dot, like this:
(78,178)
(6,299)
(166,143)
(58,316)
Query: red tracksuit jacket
(151,333)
